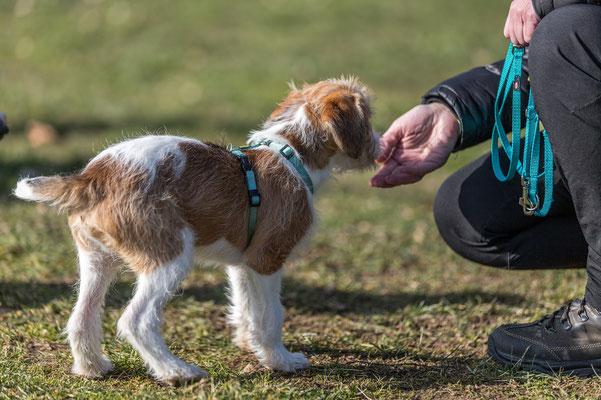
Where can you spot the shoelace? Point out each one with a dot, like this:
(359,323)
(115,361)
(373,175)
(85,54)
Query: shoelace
(564,320)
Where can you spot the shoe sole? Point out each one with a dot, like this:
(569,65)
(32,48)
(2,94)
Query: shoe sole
(585,368)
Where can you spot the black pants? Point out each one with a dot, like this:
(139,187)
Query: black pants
(480,218)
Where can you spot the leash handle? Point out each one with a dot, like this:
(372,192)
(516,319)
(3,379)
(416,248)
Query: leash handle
(510,79)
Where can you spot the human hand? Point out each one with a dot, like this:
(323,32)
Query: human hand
(416,144)
(521,22)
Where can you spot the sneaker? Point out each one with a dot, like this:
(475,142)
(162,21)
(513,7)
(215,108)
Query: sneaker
(567,342)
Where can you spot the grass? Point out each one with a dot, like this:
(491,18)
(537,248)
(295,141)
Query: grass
(380,305)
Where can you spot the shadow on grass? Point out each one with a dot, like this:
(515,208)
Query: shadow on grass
(21,295)
(305,299)
(420,371)
(397,369)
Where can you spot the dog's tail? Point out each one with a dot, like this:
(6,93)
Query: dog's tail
(68,193)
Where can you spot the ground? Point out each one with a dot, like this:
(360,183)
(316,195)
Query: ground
(380,305)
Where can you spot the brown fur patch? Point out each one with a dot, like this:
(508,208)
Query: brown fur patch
(142,223)
(139,223)
(338,112)
(215,203)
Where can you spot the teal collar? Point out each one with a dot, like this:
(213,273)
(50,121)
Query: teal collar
(254,197)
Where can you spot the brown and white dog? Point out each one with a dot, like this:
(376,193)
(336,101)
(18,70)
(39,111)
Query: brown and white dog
(152,200)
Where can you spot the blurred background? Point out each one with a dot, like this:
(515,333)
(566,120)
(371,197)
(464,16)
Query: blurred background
(96,69)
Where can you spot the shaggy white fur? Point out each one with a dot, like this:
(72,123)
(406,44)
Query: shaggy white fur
(141,321)
(146,152)
(256,313)
(84,328)
(24,191)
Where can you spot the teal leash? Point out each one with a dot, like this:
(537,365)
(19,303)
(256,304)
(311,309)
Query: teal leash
(529,168)
(254,197)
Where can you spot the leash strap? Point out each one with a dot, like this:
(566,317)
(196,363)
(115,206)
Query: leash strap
(254,197)
(528,169)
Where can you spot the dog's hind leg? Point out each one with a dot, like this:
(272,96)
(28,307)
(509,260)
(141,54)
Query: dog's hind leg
(84,328)
(265,320)
(141,321)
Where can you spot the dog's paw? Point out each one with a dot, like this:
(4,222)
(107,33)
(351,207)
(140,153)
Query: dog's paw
(185,373)
(96,368)
(241,338)
(288,362)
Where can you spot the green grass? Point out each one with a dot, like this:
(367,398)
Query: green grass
(380,305)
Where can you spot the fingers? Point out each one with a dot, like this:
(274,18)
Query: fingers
(387,142)
(398,176)
(528,32)
(521,22)
(530,26)
(517,34)
(393,174)
(379,179)
(506,30)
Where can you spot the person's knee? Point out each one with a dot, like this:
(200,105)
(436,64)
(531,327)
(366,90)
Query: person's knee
(463,232)
(564,68)
(451,222)
(443,216)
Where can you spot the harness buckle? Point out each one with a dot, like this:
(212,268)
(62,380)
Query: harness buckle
(287,152)
(245,164)
(254,198)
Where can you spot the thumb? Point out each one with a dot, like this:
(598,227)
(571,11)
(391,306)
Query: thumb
(387,142)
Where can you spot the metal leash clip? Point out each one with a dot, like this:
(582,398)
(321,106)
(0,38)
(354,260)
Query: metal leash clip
(528,207)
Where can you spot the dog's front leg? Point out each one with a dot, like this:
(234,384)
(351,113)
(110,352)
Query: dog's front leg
(265,318)
(239,308)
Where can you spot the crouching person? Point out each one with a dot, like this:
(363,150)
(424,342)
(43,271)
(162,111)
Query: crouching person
(479,217)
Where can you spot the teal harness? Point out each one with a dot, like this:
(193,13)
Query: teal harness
(254,197)
(528,169)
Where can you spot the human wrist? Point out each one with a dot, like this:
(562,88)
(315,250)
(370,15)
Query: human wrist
(448,117)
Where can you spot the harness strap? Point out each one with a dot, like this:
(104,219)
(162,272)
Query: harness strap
(288,153)
(254,197)
(510,81)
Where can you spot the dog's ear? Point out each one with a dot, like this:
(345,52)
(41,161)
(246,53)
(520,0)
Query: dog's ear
(344,120)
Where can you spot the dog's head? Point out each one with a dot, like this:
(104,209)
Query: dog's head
(328,123)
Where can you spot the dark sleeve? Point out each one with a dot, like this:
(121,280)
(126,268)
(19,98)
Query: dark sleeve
(471,96)
(544,7)
(3,127)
